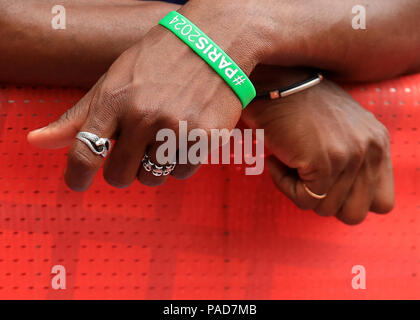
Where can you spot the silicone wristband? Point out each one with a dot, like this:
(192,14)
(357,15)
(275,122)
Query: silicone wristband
(212,54)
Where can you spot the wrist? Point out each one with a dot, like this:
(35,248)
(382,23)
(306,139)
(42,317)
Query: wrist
(229,25)
(212,54)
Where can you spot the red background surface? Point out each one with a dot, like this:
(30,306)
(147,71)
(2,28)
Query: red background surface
(219,235)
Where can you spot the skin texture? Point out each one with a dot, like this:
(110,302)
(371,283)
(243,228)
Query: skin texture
(130,107)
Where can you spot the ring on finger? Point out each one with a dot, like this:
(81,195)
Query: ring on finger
(157,170)
(313,194)
(97,145)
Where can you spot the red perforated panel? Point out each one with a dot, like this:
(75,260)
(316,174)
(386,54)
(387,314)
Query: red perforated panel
(219,235)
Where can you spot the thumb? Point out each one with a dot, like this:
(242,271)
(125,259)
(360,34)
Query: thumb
(61,133)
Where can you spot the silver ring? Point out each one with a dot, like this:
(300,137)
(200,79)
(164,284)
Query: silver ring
(99,146)
(157,170)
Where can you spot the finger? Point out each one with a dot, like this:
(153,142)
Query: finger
(384,199)
(339,191)
(187,159)
(318,178)
(360,197)
(288,181)
(82,163)
(122,165)
(61,132)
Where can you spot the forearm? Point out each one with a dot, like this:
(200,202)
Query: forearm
(96,33)
(319,33)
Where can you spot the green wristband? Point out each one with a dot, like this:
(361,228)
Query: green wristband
(212,54)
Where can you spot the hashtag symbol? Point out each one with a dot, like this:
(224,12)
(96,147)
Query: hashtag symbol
(239,80)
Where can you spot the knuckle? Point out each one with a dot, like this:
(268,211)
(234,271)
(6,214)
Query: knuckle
(380,136)
(156,117)
(385,138)
(170,120)
(377,152)
(338,157)
(111,97)
(109,92)
(378,144)
(357,155)
(137,118)
(311,168)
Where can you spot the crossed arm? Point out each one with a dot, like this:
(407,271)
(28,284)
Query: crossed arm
(286,33)
(310,33)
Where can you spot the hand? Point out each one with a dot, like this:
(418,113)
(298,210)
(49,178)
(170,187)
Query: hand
(323,138)
(153,85)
